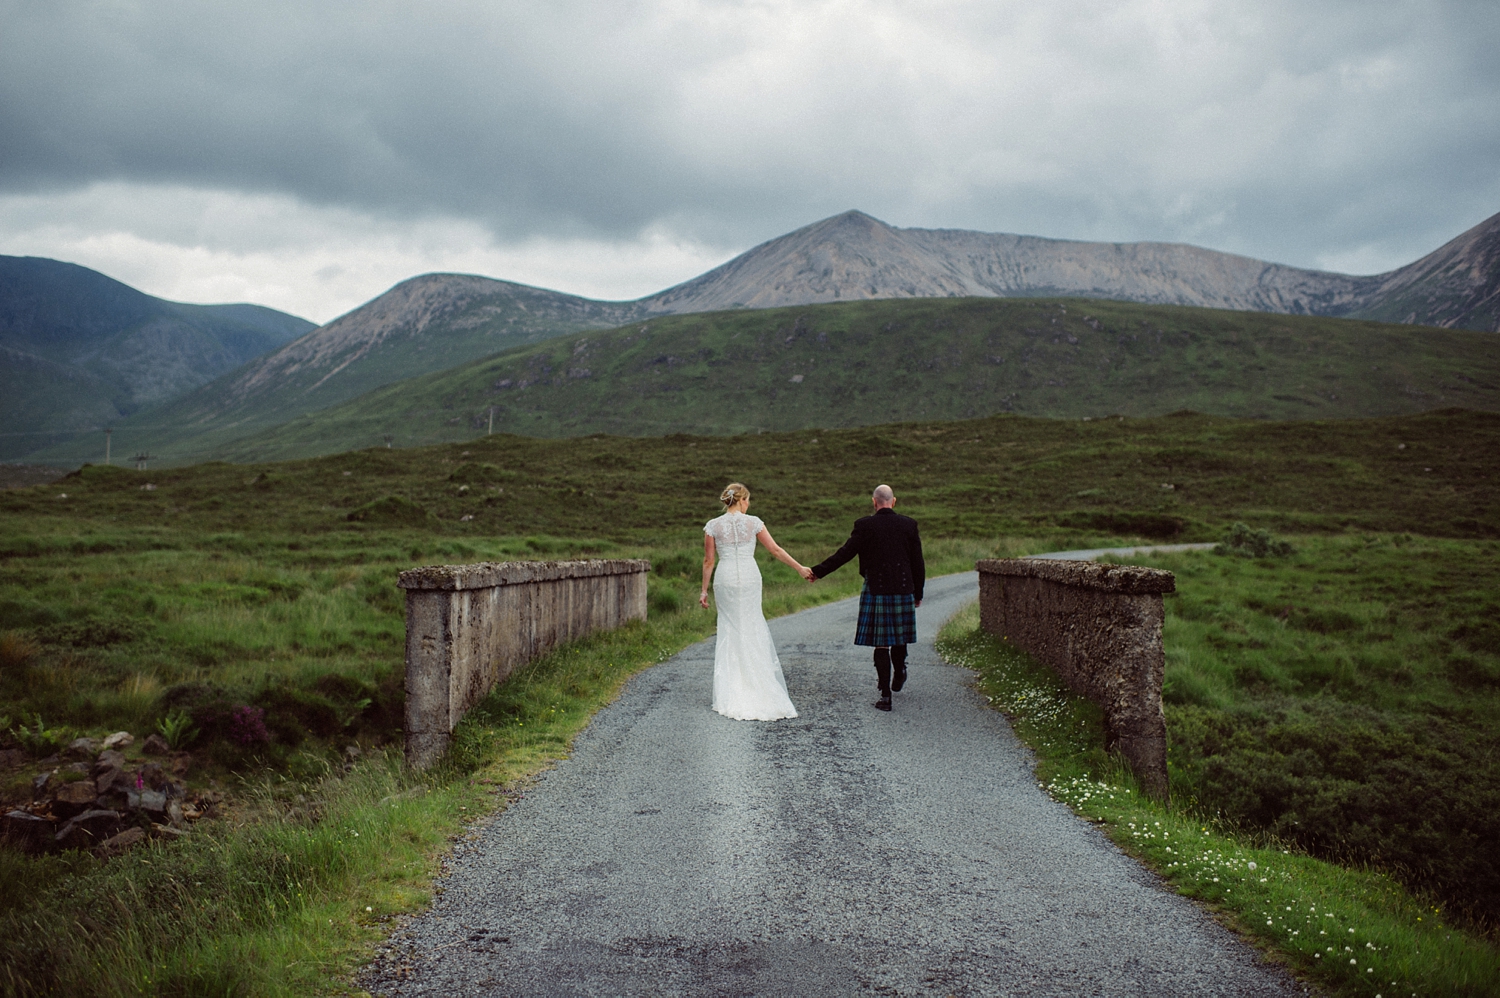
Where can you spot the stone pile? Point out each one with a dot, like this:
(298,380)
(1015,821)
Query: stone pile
(92,797)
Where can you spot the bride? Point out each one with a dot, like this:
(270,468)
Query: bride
(748,682)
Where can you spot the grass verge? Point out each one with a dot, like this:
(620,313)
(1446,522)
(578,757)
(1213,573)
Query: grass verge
(1352,931)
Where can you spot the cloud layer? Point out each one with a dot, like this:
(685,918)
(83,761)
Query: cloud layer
(607,144)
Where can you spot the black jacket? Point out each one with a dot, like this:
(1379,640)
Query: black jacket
(890,554)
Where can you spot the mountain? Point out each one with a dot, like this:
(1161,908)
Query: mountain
(79,350)
(1456,286)
(852,257)
(427,323)
(438,321)
(872,362)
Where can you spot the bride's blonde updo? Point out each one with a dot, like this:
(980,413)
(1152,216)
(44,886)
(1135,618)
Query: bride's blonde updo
(733,493)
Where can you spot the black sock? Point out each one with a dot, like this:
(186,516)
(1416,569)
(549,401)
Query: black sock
(898,660)
(883,670)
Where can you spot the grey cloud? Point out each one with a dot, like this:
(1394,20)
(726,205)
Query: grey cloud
(1286,130)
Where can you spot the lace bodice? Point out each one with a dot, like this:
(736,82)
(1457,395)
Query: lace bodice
(734,529)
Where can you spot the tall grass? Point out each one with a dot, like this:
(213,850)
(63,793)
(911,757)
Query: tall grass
(1352,930)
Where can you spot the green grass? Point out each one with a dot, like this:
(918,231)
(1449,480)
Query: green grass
(288,896)
(1166,478)
(1346,699)
(224,586)
(1301,896)
(862,363)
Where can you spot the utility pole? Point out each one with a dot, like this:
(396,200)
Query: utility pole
(140,460)
(492,422)
(107,431)
(388,439)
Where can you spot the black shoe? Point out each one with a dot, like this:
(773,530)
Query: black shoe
(899,679)
(884,703)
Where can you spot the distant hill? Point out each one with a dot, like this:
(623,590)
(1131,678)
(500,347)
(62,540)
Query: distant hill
(424,324)
(79,350)
(864,363)
(853,257)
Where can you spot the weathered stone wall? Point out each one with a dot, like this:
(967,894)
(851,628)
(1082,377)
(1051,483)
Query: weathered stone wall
(469,626)
(1099,628)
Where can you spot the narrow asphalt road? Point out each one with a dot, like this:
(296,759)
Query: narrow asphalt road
(844,852)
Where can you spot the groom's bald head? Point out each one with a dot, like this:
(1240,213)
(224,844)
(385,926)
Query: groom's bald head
(883,497)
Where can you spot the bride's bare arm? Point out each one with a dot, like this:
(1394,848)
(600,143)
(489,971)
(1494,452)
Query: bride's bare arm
(708,568)
(767,542)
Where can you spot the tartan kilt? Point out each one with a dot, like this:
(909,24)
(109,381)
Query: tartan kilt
(886,619)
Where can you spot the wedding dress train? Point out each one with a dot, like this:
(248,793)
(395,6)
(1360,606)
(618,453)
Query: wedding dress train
(748,681)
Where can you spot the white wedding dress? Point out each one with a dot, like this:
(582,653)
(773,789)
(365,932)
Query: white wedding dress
(748,682)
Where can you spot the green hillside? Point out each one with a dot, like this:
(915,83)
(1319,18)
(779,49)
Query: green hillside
(80,351)
(429,323)
(876,362)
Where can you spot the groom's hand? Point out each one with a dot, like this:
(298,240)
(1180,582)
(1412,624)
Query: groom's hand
(916,603)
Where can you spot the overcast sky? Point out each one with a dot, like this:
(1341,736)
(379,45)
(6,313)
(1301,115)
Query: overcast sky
(309,155)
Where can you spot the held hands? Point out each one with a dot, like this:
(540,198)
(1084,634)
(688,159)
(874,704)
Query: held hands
(807,573)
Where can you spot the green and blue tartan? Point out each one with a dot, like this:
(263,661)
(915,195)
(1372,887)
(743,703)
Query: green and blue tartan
(886,619)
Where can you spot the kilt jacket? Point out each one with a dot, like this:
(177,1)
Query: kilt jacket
(890,554)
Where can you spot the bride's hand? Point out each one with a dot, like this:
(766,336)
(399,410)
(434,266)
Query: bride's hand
(807,574)
(703,599)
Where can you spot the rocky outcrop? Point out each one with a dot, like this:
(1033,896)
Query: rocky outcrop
(107,803)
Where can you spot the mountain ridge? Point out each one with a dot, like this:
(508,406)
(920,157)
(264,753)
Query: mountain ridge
(435,321)
(855,256)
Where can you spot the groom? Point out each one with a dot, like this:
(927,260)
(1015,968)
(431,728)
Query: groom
(890,559)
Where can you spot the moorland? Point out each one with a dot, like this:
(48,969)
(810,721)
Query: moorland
(1339,700)
(833,365)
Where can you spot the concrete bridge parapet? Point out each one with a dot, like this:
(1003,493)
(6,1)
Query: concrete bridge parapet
(1099,628)
(468,627)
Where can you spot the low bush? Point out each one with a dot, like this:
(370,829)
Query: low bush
(1244,541)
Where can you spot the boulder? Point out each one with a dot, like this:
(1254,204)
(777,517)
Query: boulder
(105,782)
(152,776)
(27,831)
(174,812)
(86,830)
(13,758)
(82,748)
(40,782)
(167,832)
(119,740)
(156,745)
(74,798)
(180,764)
(154,803)
(116,844)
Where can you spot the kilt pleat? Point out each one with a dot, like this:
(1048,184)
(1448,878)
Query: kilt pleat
(886,619)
